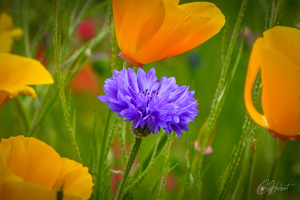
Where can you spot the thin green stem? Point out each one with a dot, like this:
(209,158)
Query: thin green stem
(165,167)
(251,171)
(24,112)
(57,57)
(129,164)
(279,149)
(103,145)
(245,166)
(122,132)
(25,28)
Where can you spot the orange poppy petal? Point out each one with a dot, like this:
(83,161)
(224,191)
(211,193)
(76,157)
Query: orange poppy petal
(285,40)
(281,92)
(214,21)
(32,160)
(253,68)
(135,23)
(184,27)
(4,97)
(75,179)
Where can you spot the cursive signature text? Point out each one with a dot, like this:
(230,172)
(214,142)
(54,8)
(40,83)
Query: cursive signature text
(273,186)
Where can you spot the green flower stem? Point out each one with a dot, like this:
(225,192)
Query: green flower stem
(24,113)
(102,154)
(129,164)
(245,166)
(279,149)
(165,167)
(57,56)
(220,94)
(251,171)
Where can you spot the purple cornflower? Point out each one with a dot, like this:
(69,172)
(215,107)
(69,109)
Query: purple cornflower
(150,104)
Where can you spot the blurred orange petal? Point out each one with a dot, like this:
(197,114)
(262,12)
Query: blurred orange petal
(85,80)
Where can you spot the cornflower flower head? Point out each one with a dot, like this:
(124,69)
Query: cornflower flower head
(150,104)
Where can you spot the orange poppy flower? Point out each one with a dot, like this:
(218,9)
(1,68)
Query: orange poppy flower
(152,30)
(32,170)
(16,73)
(7,33)
(277,56)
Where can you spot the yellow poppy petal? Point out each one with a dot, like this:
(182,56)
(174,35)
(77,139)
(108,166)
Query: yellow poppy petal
(5,173)
(32,160)
(253,68)
(75,179)
(7,33)
(16,190)
(285,40)
(16,33)
(17,72)
(135,23)
(6,22)
(15,90)
(281,92)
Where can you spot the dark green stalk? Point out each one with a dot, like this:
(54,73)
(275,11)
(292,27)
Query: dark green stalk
(129,164)
(245,166)
(165,167)
(24,112)
(103,145)
(279,149)
(251,170)
(25,28)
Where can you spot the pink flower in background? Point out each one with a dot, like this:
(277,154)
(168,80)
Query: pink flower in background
(171,182)
(115,178)
(41,54)
(87,29)
(207,151)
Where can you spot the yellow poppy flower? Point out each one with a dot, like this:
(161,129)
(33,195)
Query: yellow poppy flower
(7,32)
(152,30)
(277,56)
(32,170)
(16,73)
